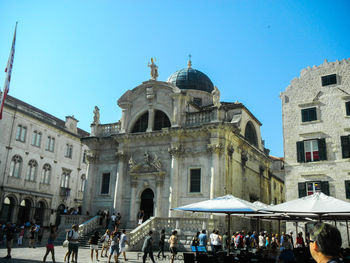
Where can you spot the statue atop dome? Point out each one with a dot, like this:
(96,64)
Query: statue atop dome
(154,70)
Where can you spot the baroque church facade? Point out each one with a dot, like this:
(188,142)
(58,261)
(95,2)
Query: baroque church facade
(176,143)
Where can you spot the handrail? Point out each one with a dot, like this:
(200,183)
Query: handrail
(89,225)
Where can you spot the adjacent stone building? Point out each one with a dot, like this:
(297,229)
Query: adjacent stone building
(316,128)
(176,144)
(42,164)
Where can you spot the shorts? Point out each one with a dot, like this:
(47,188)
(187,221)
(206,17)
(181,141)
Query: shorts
(49,246)
(95,247)
(114,250)
(73,247)
(173,250)
(105,244)
(122,249)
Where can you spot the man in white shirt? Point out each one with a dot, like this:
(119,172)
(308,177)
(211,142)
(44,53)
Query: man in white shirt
(73,245)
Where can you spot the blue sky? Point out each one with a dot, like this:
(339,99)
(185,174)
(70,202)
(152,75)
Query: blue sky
(73,55)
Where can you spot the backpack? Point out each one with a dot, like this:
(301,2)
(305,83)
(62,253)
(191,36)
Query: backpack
(69,235)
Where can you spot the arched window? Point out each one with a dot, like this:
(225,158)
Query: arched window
(161,120)
(16,166)
(46,173)
(31,170)
(141,124)
(250,134)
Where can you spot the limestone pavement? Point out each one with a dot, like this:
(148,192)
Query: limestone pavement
(31,255)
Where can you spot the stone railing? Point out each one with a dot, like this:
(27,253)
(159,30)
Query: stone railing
(68,220)
(89,225)
(194,118)
(184,226)
(104,130)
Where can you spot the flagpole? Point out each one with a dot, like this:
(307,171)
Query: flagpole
(8,71)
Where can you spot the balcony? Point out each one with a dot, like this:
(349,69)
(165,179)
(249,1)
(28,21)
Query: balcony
(64,191)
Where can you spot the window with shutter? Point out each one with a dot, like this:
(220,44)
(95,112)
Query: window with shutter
(329,80)
(322,149)
(345,146)
(195,180)
(308,114)
(313,187)
(347,189)
(105,183)
(347,108)
(302,189)
(325,187)
(300,152)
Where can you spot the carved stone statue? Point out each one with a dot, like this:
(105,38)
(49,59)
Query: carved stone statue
(216,97)
(154,70)
(156,162)
(96,116)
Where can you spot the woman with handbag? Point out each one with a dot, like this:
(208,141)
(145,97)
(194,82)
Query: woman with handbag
(105,243)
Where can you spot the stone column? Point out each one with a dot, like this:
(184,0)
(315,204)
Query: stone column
(118,190)
(133,212)
(150,120)
(159,184)
(176,152)
(123,122)
(215,171)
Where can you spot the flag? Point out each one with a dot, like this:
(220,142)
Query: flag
(8,71)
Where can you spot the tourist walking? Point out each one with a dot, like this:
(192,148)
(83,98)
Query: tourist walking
(173,242)
(93,241)
(122,244)
(32,236)
(161,244)
(20,237)
(147,247)
(105,243)
(49,246)
(216,241)
(40,234)
(114,249)
(299,243)
(140,216)
(203,240)
(9,232)
(73,245)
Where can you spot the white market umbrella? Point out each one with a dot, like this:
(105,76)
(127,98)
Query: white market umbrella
(227,204)
(316,204)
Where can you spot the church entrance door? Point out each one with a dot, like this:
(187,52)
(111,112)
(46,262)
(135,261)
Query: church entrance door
(147,203)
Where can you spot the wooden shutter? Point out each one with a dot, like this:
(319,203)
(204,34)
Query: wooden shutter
(347,106)
(300,152)
(302,189)
(322,151)
(325,187)
(345,146)
(347,189)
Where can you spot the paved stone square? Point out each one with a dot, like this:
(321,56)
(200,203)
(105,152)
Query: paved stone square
(31,255)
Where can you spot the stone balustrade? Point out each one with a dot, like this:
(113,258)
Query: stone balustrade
(194,118)
(68,220)
(89,225)
(109,129)
(184,226)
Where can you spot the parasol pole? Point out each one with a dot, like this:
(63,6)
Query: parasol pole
(279,227)
(229,232)
(347,231)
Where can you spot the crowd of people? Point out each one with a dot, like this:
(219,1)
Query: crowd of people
(324,242)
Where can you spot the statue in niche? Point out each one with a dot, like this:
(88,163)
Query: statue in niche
(96,116)
(154,70)
(216,97)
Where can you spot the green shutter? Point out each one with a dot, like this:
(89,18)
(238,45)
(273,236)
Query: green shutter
(322,151)
(347,106)
(325,187)
(302,189)
(304,116)
(345,146)
(300,152)
(347,189)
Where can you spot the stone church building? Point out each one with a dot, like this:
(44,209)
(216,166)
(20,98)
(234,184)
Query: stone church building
(176,143)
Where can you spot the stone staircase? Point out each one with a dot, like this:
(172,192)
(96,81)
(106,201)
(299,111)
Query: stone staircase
(186,228)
